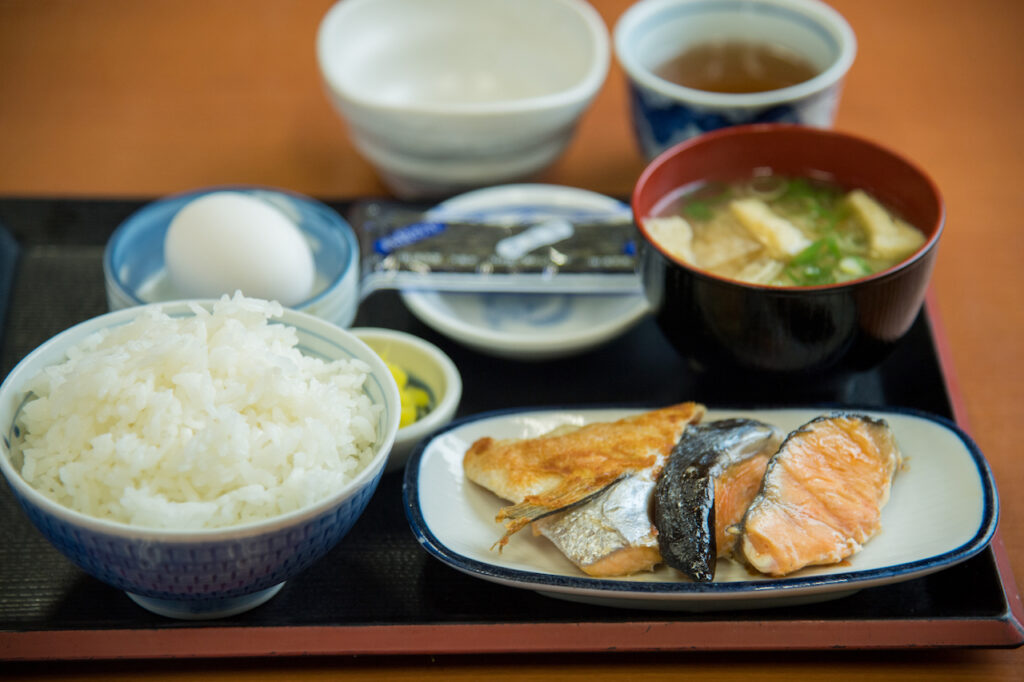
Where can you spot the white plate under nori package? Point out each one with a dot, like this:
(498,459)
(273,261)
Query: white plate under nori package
(528,326)
(943,510)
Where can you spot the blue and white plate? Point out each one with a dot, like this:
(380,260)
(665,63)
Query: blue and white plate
(527,326)
(943,509)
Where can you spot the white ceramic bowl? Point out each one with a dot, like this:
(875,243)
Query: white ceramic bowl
(528,327)
(133,261)
(430,366)
(206,573)
(665,113)
(448,95)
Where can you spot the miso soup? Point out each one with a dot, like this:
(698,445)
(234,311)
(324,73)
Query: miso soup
(777,230)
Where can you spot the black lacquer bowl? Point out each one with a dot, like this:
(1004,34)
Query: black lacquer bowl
(722,325)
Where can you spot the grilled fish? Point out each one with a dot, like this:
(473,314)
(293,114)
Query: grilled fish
(711,477)
(822,494)
(611,534)
(557,471)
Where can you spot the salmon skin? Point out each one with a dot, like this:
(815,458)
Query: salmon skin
(712,474)
(822,494)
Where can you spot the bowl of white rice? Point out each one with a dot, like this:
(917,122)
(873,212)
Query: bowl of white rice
(197,454)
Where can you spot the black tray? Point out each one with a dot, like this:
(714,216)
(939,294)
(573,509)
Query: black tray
(377,591)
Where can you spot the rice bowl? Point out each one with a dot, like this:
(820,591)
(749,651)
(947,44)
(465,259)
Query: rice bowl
(203,421)
(203,571)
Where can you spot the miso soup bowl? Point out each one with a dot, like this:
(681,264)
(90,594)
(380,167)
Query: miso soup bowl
(210,572)
(724,325)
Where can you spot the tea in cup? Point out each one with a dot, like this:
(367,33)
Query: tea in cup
(699,65)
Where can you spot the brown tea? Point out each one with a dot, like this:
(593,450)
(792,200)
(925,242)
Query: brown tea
(737,67)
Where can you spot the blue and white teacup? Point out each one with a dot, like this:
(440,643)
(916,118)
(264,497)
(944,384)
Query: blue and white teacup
(664,113)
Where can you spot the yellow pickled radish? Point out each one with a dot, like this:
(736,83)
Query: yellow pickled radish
(415,400)
(409,413)
(400,375)
(418,397)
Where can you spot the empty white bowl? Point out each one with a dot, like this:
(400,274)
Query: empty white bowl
(448,95)
(429,366)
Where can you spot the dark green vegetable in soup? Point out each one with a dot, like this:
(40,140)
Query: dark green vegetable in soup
(783,231)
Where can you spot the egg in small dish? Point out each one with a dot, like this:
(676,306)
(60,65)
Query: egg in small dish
(267,243)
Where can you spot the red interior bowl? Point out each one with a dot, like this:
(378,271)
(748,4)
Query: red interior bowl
(720,323)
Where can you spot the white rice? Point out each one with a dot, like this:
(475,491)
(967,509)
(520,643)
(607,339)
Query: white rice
(196,422)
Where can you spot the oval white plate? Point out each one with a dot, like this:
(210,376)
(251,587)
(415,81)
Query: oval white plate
(943,510)
(527,326)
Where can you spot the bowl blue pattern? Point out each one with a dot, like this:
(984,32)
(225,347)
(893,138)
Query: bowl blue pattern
(206,573)
(659,122)
(200,577)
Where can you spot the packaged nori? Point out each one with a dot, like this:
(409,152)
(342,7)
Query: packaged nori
(578,253)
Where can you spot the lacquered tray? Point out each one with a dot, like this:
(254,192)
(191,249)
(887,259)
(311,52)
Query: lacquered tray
(378,592)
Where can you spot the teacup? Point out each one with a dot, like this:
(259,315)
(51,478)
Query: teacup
(664,113)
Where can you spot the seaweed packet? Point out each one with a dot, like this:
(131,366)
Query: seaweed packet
(578,252)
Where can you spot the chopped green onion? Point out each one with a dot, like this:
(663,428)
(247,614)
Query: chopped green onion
(854,265)
(816,264)
(698,209)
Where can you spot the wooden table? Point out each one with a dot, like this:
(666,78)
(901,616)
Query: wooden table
(125,98)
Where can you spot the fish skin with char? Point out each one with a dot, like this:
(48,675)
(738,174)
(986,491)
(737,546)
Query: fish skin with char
(822,495)
(691,481)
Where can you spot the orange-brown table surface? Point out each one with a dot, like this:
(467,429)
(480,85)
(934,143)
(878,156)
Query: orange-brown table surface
(141,98)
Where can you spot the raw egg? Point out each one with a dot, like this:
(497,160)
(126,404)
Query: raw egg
(227,241)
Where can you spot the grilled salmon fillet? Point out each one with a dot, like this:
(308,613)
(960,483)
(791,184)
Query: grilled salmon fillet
(822,494)
(734,491)
(555,471)
(712,474)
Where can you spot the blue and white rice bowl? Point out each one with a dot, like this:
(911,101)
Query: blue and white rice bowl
(207,572)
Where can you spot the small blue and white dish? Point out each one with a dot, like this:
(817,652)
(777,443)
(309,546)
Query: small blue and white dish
(134,268)
(665,113)
(204,573)
(943,509)
(528,326)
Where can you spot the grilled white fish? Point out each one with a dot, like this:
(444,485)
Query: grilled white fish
(554,472)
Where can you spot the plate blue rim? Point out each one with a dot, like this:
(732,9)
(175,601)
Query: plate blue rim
(780,587)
